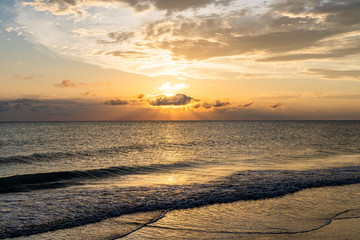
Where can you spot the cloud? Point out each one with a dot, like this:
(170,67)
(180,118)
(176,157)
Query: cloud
(127,54)
(66,84)
(78,7)
(175,37)
(117,37)
(31,76)
(88,93)
(28,106)
(176,100)
(117,102)
(275,42)
(141,96)
(38,109)
(344,12)
(216,104)
(57,7)
(246,105)
(20,104)
(170,5)
(340,96)
(82,32)
(23,77)
(4,107)
(335,54)
(276,106)
(71,84)
(336,74)
(219,103)
(197,106)
(207,105)
(226,35)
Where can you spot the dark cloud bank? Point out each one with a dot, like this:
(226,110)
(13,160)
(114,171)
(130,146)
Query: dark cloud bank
(85,110)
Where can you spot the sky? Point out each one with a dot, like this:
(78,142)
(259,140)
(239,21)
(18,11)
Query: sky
(91,60)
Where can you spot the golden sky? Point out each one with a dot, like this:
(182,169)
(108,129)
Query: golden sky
(179,60)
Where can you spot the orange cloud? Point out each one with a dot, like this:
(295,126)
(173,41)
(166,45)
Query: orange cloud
(66,84)
(176,100)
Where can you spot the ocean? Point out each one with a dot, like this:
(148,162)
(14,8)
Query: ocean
(175,179)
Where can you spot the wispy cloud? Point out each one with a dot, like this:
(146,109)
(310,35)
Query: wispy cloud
(340,96)
(219,103)
(23,76)
(88,93)
(336,74)
(170,37)
(117,37)
(117,102)
(72,84)
(246,105)
(332,54)
(276,106)
(66,84)
(77,7)
(216,104)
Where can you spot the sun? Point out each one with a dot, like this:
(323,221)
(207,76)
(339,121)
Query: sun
(168,87)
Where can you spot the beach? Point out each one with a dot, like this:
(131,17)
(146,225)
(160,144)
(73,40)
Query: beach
(325,213)
(180,180)
(318,213)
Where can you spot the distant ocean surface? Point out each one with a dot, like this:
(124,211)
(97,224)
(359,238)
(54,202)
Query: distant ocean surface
(61,175)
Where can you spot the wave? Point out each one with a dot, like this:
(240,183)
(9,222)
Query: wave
(36,157)
(50,156)
(113,202)
(28,182)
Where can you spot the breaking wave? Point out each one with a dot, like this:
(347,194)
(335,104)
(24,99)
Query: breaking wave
(115,201)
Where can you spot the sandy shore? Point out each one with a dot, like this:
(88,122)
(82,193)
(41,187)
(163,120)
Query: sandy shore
(340,229)
(318,213)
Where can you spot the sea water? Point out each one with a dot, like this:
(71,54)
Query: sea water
(116,179)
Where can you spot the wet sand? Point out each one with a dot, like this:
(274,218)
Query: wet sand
(340,229)
(318,213)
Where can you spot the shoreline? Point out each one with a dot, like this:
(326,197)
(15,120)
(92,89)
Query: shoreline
(317,213)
